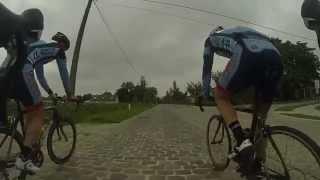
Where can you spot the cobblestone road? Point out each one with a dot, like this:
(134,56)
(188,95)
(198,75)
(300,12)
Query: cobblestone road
(164,143)
(156,145)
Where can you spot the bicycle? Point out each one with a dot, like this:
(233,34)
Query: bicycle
(267,142)
(11,138)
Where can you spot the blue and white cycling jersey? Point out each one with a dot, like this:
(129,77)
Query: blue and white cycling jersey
(41,53)
(230,43)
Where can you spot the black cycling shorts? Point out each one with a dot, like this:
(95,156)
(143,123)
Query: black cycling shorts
(262,70)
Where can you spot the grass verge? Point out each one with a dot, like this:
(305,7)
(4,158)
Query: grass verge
(296,115)
(317,107)
(293,107)
(105,113)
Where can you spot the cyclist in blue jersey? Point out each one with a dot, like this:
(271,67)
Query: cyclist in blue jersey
(254,61)
(11,39)
(25,88)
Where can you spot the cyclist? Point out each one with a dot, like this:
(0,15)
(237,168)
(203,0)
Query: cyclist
(11,38)
(254,61)
(38,53)
(310,12)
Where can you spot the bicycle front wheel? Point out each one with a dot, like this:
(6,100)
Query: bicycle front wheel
(218,143)
(61,141)
(291,155)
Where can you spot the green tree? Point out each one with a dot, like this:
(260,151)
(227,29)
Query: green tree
(125,92)
(87,96)
(194,89)
(106,96)
(150,95)
(301,68)
(128,92)
(174,95)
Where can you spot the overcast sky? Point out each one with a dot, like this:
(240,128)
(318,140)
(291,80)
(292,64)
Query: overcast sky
(163,43)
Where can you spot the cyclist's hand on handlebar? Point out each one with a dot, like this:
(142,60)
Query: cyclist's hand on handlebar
(199,102)
(200,99)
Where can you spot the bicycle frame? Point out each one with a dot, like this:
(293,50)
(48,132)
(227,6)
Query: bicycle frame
(56,118)
(14,127)
(18,118)
(259,132)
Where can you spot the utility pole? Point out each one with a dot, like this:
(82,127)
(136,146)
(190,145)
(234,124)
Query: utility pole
(75,60)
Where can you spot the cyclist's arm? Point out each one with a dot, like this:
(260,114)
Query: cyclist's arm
(207,68)
(42,80)
(64,74)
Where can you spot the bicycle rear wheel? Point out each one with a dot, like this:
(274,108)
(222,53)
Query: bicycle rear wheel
(218,143)
(10,148)
(291,155)
(61,141)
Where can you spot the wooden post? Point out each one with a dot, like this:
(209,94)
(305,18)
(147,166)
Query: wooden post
(75,60)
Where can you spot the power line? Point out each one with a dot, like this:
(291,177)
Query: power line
(162,13)
(228,17)
(117,42)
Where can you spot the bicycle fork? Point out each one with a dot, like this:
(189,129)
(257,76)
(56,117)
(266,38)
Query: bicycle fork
(220,127)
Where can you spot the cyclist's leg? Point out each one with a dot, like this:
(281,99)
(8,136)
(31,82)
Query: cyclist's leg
(233,79)
(29,94)
(267,87)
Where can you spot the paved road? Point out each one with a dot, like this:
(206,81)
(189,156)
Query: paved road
(165,143)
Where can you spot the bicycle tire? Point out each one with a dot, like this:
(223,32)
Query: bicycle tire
(298,136)
(219,166)
(55,128)
(19,141)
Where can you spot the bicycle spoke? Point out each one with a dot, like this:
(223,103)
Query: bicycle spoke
(3,140)
(280,155)
(58,133)
(218,143)
(292,168)
(10,148)
(64,134)
(216,133)
(222,135)
(275,174)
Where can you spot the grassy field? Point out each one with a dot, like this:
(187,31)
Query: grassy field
(304,116)
(104,113)
(293,107)
(317,107)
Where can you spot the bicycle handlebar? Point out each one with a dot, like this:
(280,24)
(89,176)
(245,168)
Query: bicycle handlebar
(56,99)
(200,103)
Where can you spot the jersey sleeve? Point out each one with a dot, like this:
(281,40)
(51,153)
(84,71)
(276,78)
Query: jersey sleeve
(64,74)
(207,68)
(41,78)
